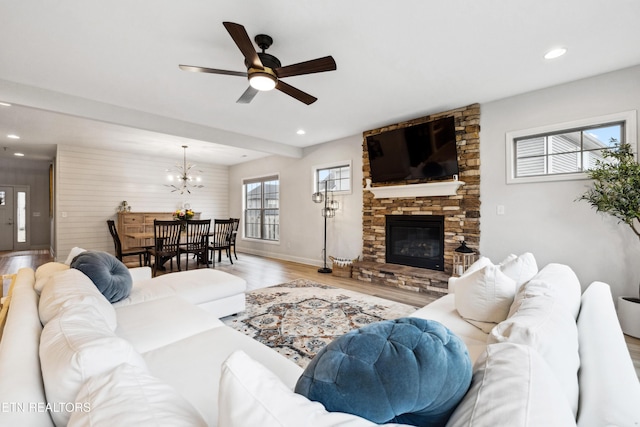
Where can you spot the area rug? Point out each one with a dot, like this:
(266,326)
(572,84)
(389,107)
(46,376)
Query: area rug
(299,318)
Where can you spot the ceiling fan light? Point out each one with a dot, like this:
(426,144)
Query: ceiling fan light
(262,81)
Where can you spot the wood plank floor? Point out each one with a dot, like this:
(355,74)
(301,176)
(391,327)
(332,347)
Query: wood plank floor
(260,272)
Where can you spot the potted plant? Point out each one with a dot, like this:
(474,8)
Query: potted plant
(616,188)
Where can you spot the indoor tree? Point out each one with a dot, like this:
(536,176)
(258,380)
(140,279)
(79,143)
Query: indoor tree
(616,187)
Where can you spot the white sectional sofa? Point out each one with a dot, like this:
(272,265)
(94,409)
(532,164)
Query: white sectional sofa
(161,356)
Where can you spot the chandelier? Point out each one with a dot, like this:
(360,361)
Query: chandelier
(183,175)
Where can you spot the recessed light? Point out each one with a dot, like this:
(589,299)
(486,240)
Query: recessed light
(18,154)
(5,104)
(300,132)
(555,53)
(13,136)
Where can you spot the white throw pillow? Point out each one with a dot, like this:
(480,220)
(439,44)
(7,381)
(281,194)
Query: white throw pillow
(74,253)
(480,263)
(484,297)
(251,395)
(128,396)
(45,271)
(521,268)
(544,324)
(71,287)
(72,350)
(512,386)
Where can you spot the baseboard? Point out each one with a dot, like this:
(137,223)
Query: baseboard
(283,257)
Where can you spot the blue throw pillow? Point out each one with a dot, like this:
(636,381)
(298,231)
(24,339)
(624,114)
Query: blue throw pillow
(107,272)
(407,371)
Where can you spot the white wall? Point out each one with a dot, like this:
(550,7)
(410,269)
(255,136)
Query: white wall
(301,223)
(90,184)
(544,218)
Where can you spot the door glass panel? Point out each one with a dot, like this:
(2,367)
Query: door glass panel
(3,197)
(21,215)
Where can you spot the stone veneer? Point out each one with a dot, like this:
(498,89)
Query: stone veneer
(461,212)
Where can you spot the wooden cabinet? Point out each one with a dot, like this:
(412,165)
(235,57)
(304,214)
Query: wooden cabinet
(140,222)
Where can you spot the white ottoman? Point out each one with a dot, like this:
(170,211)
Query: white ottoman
(629,316)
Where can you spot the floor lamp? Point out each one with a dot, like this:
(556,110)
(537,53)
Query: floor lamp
(328,211)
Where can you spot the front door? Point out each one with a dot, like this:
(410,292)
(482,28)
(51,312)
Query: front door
(7,219)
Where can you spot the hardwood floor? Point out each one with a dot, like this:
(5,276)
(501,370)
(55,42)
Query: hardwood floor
(260,272)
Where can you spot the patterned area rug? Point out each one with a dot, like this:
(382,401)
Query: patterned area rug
(299,318)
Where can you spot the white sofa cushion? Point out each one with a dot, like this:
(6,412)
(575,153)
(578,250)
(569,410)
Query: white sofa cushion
(45,271)
(199,379)
(148,326)
(543,323)
(129,396)
(20,376)
(484,297)
(609,388)
(71,287)
(512,386)
(74,346)
(251,395)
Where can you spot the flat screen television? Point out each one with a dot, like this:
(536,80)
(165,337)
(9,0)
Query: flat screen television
(421,151)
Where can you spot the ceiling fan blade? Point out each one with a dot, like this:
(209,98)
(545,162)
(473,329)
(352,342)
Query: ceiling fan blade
(247,96)
(212,70)
(296,93)
(240,36)
(308,67)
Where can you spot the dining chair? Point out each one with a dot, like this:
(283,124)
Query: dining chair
(197,241)
(166,243)
(234,234)
(221,239)
(140,252)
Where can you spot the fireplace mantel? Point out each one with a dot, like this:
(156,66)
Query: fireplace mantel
(440,188)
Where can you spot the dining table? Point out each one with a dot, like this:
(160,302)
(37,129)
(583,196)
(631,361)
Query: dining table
(143,235)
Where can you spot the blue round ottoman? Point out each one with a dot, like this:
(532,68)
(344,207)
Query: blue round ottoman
(108,273)
(408,371)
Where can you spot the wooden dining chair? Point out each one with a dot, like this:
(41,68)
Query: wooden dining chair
(166,239)
(221,239)
(197,241)
(140,252)
(234,234)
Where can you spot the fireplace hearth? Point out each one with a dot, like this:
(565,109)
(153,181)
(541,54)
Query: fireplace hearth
(415,240)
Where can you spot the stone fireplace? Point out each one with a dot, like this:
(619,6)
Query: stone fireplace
(457,210)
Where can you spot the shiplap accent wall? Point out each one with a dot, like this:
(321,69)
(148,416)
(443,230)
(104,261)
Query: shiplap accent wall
(91,183)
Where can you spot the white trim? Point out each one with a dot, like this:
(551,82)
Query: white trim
(631,129)
(336,164)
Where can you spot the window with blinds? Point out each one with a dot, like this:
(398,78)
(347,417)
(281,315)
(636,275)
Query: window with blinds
(560,153)
(262,208)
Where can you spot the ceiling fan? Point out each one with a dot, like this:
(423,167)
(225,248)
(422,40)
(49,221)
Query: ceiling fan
(264,70)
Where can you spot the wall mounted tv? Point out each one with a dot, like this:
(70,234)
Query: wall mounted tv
(421,151)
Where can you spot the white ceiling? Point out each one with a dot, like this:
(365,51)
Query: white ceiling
(109,70)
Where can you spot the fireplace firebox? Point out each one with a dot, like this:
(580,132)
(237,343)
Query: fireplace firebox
(415,240)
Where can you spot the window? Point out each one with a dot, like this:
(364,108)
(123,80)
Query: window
(565,151)
(262,208)
(337,177)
